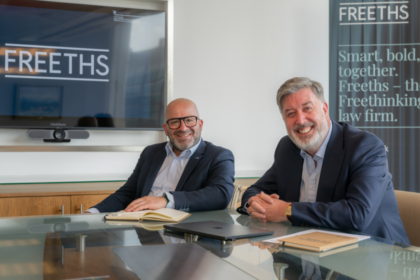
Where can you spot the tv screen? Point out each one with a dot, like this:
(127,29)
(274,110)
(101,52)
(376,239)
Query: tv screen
(80,66)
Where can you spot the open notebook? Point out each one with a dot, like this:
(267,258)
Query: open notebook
(163,214)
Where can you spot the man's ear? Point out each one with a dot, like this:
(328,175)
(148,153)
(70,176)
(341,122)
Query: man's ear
(325,108)
(164,128)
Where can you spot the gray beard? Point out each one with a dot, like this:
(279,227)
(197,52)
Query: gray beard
(316,140)
(186,147)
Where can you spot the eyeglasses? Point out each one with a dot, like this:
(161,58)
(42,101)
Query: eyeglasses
(189,121)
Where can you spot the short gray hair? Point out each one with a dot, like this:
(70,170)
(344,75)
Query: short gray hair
(294,84)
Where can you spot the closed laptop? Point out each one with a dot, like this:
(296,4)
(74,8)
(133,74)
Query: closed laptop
(218,230)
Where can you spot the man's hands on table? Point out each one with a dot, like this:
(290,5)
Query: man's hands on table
(267,208)
(146,202)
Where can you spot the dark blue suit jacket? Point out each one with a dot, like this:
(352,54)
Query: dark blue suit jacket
(355,190)
(206,183)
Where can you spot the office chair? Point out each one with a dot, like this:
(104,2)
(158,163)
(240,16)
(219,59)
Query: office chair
(409,207)
(236,197)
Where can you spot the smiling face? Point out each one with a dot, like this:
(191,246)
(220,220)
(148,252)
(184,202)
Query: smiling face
(306,119)
(183,137)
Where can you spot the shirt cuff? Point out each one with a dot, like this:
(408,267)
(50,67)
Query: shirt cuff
(171,201)
(93,211)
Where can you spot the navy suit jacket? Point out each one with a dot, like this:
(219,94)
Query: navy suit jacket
(355,190)
(206,183)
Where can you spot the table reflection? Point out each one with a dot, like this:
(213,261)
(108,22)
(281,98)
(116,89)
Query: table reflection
(51,248)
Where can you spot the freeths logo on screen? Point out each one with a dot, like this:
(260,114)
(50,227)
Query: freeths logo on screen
(55,63)
(373,13)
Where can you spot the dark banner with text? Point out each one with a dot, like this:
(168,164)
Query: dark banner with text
(375,77)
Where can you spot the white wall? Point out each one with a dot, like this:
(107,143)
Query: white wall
(21,167)
(230,57)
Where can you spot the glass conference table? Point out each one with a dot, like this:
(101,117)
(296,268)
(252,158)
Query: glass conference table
(86,247)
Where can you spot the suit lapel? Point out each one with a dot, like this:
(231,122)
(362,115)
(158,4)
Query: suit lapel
(153,171)
(294,174)
(331,166)
(194,159)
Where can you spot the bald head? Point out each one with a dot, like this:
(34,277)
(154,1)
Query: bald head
(181,107)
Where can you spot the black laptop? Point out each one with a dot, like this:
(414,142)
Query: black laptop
(218,230)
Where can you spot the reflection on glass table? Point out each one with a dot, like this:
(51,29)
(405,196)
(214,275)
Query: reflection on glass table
(84,246)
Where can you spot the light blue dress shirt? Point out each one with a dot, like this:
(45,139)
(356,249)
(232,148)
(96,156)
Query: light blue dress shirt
(310,173)
(169,174)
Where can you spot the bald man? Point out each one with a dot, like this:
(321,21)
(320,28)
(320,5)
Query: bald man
(185,173)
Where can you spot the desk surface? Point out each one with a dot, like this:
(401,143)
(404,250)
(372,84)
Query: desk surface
(81,246)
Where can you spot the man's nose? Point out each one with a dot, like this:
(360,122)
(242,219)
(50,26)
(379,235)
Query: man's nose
(300,118)
(183,127)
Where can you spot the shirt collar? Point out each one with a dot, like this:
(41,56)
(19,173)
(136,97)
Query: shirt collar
(321,151)
(187,153)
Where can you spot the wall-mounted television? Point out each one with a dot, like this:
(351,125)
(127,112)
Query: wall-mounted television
(81,66)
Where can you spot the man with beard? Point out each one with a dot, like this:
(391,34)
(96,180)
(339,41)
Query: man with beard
(185,173)
(325,174)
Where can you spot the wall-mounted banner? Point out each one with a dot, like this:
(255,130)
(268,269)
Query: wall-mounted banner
(375,77)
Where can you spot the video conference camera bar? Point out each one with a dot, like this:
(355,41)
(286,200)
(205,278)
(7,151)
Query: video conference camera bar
(57,135)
